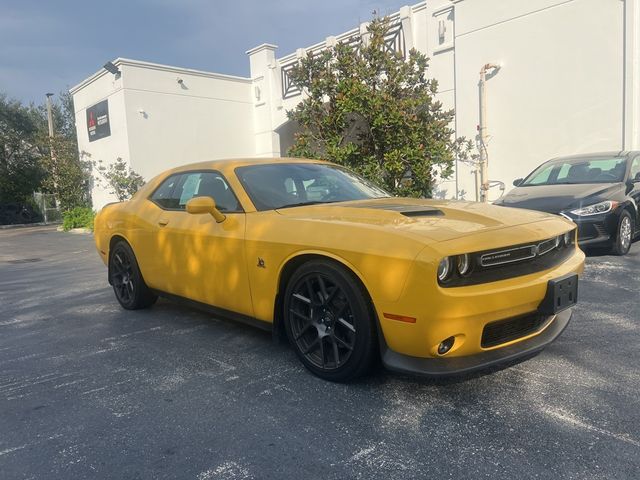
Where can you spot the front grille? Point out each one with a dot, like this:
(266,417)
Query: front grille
(509,262)
(504,331)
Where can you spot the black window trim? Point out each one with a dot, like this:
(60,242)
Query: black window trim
(186,172)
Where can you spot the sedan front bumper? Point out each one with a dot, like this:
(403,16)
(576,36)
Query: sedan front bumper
(442,367)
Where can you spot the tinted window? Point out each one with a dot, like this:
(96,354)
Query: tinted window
(281,185)
(578,170)
(163,194)
(634,174)
(177,190)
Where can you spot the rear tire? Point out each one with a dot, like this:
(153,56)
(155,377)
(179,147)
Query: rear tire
(624,234)
(128,285)
(329,321)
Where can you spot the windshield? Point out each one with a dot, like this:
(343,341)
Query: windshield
(578,170)
(280,185)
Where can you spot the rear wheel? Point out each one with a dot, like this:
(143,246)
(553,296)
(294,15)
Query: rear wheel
(128,285)
(329,321)
(624,235)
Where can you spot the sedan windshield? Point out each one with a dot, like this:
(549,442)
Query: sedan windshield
(578,170)
(281,185)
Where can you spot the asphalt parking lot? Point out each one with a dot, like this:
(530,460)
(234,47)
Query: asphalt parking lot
(88,390)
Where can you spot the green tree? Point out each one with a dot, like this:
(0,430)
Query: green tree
(66,175)
(20,152)
(374,111)
(119,178)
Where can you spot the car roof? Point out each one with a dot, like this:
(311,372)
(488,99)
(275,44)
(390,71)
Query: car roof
(231,163)
(615,153)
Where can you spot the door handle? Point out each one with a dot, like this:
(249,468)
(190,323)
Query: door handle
(163,222)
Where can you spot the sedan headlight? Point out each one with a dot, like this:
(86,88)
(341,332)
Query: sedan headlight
(602,207)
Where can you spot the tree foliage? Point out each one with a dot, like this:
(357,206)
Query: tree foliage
(26,160)
(119,178)
(67,176)
(20,153)
(374,111)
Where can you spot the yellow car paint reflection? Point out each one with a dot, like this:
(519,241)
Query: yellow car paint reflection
(242,263)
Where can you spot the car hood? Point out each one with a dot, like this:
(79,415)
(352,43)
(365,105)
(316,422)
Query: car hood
(438,220)
(557,198)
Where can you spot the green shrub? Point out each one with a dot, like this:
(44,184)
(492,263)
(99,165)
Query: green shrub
(79,217)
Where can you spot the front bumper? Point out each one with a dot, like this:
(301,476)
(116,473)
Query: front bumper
(448,366)
(596,229)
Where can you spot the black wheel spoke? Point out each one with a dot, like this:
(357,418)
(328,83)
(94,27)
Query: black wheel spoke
(306,319)
(301,297)
(323,290)
(346,324)
(312,346)
(336,354)
(310,291)
(322,355)
(343,343)
(303,331)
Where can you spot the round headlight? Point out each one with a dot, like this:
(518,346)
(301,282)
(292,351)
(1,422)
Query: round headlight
(444,269)
(464,264)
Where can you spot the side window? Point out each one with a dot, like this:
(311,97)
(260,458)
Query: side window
(635,169)
(212,184)
(564,172)
(176,191)
(163,195)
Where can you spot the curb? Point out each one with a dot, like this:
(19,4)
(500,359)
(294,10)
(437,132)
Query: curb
(27,225)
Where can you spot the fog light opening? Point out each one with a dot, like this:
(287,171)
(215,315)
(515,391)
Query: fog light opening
(446,345)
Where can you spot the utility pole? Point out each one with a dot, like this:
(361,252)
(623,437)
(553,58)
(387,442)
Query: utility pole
(51,149)
(482,129)
(50,116)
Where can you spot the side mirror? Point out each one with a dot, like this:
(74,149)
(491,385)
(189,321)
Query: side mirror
(200,205)
(636,178)
(517,182)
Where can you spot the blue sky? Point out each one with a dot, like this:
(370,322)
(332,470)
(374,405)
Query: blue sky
(50,45)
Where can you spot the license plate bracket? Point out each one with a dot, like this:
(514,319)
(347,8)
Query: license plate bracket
(562,293)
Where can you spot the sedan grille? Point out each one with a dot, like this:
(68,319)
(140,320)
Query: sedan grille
(504,331)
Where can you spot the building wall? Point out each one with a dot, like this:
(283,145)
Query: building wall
(98,88)
(560,87)
(159,123)
(569,82)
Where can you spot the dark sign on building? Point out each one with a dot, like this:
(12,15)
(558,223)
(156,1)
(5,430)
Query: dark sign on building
(98,121)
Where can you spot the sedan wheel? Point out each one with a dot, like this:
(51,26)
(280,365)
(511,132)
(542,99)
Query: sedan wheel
(625,234)
(329,321)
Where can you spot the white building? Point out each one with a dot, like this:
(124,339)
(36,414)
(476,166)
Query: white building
(569,83)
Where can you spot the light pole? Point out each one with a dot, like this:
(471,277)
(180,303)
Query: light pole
(51,150)
(482,128)
(50,114)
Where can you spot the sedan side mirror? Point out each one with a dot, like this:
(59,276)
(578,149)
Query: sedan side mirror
(517,182)
(200,205)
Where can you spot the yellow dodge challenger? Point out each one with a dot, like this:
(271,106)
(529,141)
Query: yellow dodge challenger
(342,269)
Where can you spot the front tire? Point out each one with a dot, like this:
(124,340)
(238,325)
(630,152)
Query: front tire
(125,277)
(329,321)
(624,234)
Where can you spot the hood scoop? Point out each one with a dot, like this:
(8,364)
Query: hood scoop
(406,210)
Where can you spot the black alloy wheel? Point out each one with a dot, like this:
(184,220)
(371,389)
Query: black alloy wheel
(131,291)
(624,234)
(329,321)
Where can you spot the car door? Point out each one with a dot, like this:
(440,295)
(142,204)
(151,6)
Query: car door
(198,258)
(634,176)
